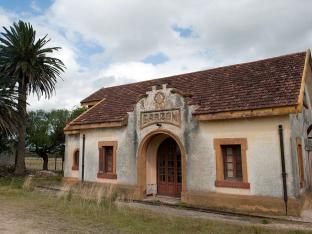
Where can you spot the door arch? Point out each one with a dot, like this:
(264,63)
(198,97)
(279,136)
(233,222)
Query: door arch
(141,160)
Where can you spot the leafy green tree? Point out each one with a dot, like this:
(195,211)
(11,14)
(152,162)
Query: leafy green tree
(6,142)
(75,112)
(45,133)
(28,61)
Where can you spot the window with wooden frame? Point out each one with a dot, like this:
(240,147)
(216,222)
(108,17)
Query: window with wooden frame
(107,159)
(231,163)
(300,162)
(76,160)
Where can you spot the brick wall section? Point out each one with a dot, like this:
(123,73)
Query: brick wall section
(272,82)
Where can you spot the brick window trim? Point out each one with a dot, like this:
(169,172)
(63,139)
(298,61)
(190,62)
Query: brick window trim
(232,184)
(220,180)
(75,166)
(300,161)
(103,175)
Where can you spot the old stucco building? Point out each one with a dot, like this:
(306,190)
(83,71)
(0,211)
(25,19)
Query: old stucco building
(214,138)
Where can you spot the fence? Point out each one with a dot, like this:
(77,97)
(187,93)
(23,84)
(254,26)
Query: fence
(33,162)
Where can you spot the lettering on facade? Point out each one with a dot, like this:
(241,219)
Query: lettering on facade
(172,116)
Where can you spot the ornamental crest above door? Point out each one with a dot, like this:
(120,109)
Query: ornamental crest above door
(160,105)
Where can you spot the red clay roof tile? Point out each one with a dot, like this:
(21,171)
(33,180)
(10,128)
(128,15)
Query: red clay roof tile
(272,82)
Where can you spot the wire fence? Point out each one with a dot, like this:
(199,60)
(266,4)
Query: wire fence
(33,162)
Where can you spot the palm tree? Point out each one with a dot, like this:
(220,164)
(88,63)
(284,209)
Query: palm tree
(9,117)
(26,59)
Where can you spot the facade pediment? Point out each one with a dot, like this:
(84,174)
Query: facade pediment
(160,105)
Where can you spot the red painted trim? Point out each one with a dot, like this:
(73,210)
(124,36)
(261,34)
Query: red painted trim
(106,175)
(232,184)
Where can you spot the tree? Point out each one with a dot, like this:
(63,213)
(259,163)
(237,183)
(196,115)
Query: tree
(75,112)
(27,60)
(45,133)
(6,142)
(9,117)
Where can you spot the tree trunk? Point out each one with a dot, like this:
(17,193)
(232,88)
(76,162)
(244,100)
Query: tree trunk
(20,167)
(45,161)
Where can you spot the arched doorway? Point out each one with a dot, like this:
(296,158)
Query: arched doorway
(169,169)
(157,145)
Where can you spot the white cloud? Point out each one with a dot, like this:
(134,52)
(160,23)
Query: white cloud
(35,6)
(129,30)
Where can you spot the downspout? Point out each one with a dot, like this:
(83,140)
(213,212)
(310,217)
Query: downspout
(83,157)
(284,174)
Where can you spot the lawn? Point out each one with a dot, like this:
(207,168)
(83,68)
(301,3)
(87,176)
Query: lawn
(27,210)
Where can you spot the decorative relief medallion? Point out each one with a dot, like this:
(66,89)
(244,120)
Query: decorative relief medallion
(160,116)
(159,100)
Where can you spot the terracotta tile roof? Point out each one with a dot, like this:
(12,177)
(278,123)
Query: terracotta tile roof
(272,82)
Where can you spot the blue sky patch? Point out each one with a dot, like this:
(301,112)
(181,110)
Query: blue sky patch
(86,50)
(185,32)
(156,58)
(26,6)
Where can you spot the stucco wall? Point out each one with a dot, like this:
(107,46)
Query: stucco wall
(72,143)
(299,124)
(263,155)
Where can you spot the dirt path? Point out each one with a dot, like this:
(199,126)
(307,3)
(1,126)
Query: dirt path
(20,219)
(12,222)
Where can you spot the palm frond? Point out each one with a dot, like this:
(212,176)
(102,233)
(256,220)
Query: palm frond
(9,116)
(27,59)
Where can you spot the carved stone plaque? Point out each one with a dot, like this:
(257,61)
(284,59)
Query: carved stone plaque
(172,116)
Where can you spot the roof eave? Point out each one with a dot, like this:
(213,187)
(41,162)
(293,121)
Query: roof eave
(307,65)
(275,111)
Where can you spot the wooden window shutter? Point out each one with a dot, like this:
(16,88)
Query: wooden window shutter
(101,159)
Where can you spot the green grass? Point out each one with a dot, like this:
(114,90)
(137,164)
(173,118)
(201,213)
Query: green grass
(76,215)
(9,183)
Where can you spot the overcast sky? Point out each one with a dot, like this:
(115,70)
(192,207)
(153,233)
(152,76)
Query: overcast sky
(110,42)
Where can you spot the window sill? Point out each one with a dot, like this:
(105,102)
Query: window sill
(106,175)
(232,184)
(75,168)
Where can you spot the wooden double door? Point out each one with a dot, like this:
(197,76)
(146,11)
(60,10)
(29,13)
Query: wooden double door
(169,169)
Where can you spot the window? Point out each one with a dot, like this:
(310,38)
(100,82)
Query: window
(107,159)
(231,164)
(300,162)
(76,160)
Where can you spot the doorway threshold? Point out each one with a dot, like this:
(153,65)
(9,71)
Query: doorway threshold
(163,199)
